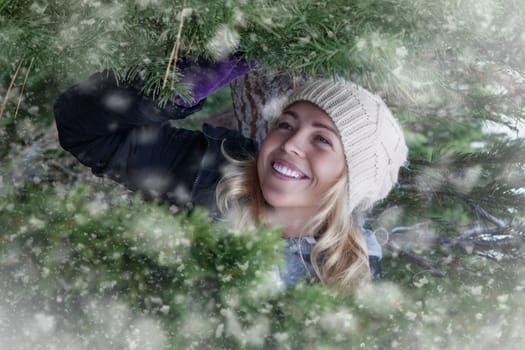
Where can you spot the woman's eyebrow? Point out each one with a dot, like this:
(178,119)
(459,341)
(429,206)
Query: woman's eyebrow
(324,126)
(316,124)
(291,113)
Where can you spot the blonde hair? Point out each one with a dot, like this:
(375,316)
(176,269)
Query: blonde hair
(339,257)
(238,195)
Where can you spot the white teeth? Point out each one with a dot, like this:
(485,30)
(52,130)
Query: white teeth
(286,171)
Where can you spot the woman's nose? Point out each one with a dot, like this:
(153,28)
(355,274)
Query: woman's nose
(294,144)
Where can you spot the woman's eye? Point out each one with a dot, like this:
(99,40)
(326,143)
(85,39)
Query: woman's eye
(324,140)
(284,125)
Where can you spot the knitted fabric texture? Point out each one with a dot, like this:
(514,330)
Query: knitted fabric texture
(372,139)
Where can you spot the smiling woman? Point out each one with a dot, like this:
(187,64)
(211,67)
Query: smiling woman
(300,160)
(333,151)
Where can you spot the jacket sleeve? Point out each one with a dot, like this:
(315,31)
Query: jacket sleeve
(118,132)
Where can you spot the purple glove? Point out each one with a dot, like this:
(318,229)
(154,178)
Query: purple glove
(206,77)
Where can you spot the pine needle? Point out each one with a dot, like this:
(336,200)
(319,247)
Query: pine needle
(175,51)
(23,86)
(4,104)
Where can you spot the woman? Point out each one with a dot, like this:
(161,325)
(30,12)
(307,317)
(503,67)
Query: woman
(333,152)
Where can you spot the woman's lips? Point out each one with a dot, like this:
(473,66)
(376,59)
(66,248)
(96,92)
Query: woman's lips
(287,170)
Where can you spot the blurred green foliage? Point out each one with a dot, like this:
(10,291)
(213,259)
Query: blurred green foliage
(84,267)
(63,250)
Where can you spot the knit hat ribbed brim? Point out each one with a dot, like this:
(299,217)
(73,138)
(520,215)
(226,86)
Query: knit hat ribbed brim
(372,139)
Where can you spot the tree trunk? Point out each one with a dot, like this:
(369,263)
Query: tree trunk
(257,99)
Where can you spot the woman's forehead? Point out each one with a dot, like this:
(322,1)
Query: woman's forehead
(308,112)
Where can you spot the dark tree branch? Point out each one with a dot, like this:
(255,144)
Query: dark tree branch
(498,222)
(477,236)
(416,259)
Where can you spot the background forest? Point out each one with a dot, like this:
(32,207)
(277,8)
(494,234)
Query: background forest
(86,265)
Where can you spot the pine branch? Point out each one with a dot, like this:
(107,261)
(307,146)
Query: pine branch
(498,222)
(4,4)
(361,40)
(23,87)
(11,83)
(476,237)
(66,171)
(427,264)
(499,152)
(175,51)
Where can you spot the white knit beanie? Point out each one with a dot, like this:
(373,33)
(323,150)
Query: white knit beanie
(372,139)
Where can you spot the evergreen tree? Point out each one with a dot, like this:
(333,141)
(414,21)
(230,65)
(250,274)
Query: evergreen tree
(130,274)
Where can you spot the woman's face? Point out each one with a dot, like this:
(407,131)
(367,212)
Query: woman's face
(300,159)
